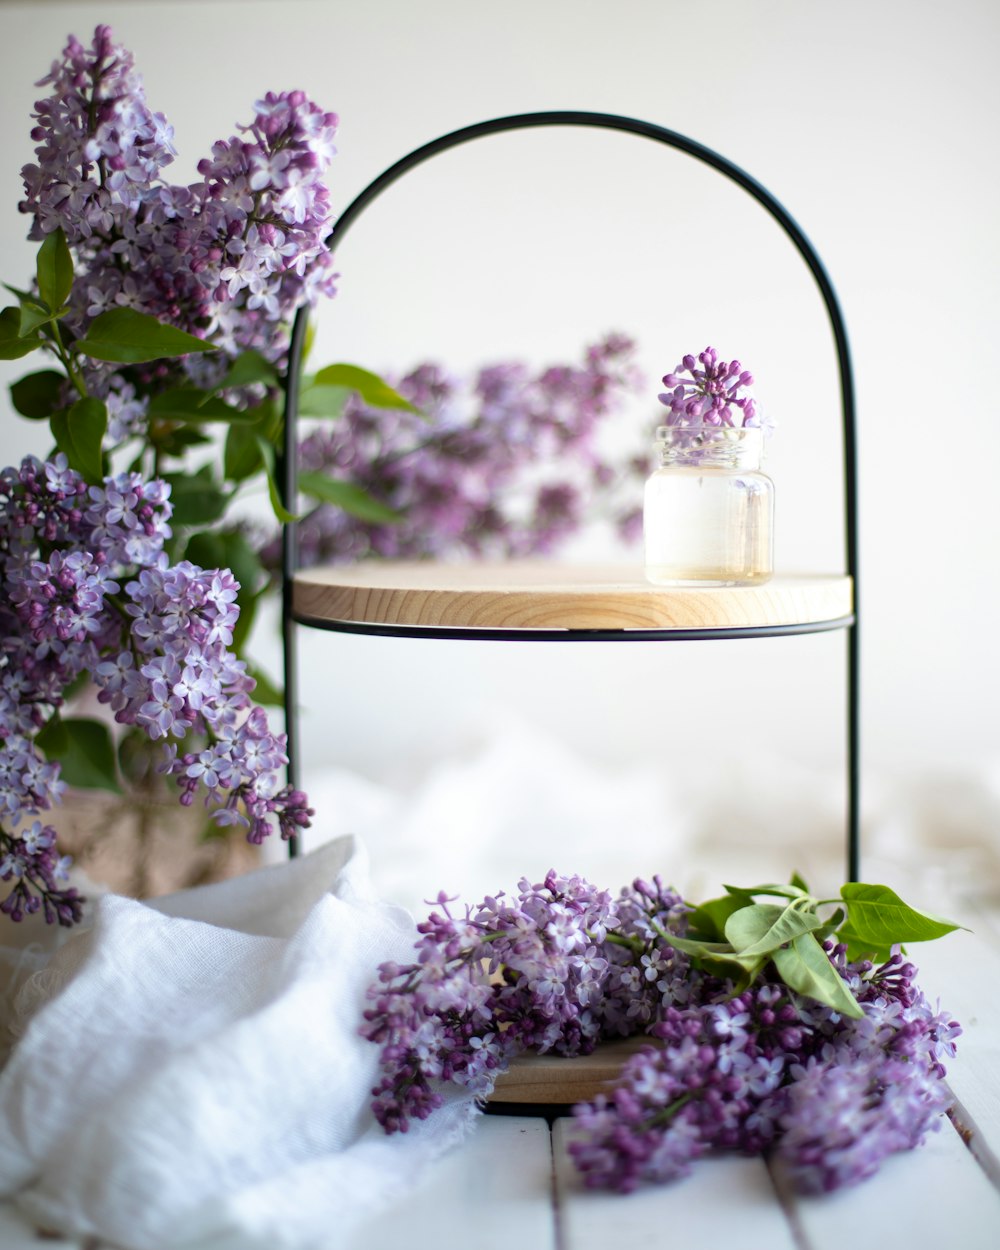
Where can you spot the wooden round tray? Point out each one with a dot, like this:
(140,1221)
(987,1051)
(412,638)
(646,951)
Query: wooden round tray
(539,595)
(550,1080)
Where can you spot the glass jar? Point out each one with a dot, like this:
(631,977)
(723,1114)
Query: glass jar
(708,509)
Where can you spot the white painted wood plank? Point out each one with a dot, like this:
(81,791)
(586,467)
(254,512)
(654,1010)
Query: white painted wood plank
(17,1234)
(492,1192)
(925,1199)
(962,970)
(727,1200)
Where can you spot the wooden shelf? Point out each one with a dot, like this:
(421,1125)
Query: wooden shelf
(546,596)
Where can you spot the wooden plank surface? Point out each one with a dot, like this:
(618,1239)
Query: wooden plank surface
(925,1199)
(726,1201)
(962,971)
(492,1192)
(509,1183)
(545,595)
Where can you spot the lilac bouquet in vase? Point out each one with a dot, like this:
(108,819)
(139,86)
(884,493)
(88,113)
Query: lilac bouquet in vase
(162,312)
(131,582)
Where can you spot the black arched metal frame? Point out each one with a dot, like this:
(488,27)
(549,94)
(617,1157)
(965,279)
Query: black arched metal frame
(289,468)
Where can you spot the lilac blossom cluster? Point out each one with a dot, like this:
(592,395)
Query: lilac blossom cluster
(710,395)
(228,258)
(89,591)
(759,1070)
(549,970)
(769,1070)
(472,472)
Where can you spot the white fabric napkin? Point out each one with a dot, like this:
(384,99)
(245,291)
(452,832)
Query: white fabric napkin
(191,1074)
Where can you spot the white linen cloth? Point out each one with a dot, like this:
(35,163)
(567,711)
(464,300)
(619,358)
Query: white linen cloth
(190,1073)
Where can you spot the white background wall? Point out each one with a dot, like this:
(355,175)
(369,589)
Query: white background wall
(874,123)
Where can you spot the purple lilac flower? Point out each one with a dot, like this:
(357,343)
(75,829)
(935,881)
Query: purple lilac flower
(89,590)
(498,466)
(29,859)
(710,395)
(229,258)
(563,964)
(540,971)
(770,1070)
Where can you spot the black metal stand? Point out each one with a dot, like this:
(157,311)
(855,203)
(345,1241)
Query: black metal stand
(289,473)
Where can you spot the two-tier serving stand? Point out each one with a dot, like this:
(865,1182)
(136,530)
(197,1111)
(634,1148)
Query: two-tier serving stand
(549,602)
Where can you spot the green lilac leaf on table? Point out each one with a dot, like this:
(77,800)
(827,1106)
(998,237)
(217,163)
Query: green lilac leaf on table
(859,948)
(84,751)
(770,889)
(877,914)
(805,967)
(764,927)
(124,336)
(54,270)
(709,918)
(79,433)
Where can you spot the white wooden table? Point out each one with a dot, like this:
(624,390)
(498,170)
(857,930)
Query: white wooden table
(512,1184)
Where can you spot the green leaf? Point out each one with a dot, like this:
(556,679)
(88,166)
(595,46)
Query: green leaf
(777,891)
(249,367)
(79,432)
(84,751)
(227,549)
(241,458)
(712,951)
(265,691)
(323,401)
(197,500)
(710,918)
(175,440)
(764,927)
(267,459)
(878,915)
(248,614)
(33,316)
(12,345)
(372,389)
(830,926)
(796,880)
(125,336)
(349,496)
(54,270)
(38,395)
(138,758)
(858,948)
(189,404)
(805,968)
